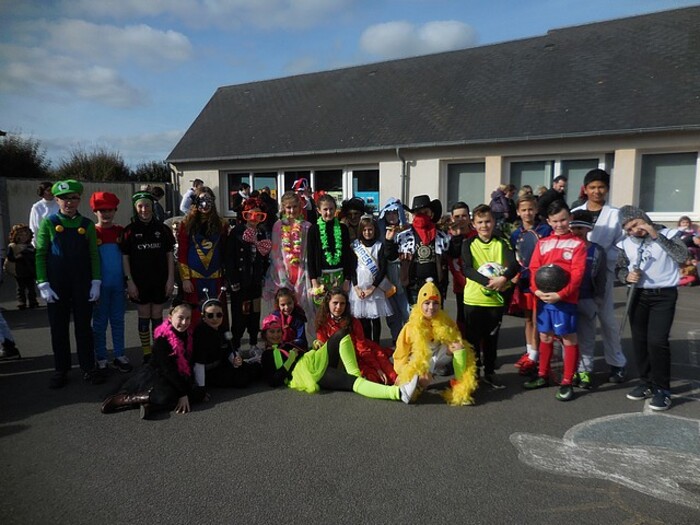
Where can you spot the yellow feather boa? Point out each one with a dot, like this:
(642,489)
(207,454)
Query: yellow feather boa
(442,329)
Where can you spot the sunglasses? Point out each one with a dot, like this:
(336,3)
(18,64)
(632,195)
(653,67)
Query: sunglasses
(259,216)
(217,315)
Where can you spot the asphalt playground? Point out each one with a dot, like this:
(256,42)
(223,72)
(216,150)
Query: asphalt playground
(279,456)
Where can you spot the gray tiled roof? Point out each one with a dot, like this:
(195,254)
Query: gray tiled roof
(623,76)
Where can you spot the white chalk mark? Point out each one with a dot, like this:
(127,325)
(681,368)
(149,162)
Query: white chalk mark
(653,470)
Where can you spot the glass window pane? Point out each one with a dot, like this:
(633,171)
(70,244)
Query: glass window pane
(365,185)
(534,173)
(330,181)
(575,171)
(668,182)
(234,183)
(291,176)
(269,179)
(465,182)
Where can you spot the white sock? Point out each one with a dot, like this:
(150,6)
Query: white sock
(533,354)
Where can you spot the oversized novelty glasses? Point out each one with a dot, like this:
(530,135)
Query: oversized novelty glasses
(217,315)
(259,216)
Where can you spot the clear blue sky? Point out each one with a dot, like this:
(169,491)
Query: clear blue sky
(132,75)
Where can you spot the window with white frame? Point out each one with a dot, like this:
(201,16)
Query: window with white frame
(465,182)
(668,182)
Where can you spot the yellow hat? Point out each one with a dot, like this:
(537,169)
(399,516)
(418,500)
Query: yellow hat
(428,292)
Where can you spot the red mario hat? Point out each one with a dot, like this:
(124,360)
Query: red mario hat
(103,200)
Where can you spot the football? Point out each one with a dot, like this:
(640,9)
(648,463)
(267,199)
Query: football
(491,269)
(551,278)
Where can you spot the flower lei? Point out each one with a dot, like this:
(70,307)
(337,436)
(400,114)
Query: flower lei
(291,241)
(331,258)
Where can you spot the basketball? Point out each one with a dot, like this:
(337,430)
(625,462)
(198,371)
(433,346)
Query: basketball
(551,278)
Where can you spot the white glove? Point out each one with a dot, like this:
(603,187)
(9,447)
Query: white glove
(95,290)
(47,294)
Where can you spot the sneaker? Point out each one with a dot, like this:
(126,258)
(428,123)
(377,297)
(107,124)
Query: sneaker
(144,410)
(523,359)
(583,380)
(122,364)
(494,381)
(538,382)
(9,351)
(94,376)
(661,400)
(410,390)
(58,379)
(618,374)
(640,393)
(528,367)
(565,393)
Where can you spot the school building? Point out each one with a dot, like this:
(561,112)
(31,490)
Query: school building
(623,95)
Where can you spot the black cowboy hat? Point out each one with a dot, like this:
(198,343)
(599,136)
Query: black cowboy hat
(423,201)
(354,203)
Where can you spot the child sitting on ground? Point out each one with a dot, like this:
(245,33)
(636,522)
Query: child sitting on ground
(334,315)
(332,366)
(292,318)
(431,339)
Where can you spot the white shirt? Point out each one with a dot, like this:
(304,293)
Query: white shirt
(40,210)
(659,269)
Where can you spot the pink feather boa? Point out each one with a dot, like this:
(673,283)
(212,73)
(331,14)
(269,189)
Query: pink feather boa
(182,355)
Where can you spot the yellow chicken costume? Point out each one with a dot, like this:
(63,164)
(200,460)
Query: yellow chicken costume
(424,344)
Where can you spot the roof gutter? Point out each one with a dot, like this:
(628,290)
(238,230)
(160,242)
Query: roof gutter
(494,141)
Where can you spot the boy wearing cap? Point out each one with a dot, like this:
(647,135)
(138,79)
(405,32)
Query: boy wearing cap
(592,289)
(422,248)
(606,232)
(649,260)
(189,196)
(68,278)
(112,304)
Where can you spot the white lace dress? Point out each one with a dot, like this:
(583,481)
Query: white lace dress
(376,305)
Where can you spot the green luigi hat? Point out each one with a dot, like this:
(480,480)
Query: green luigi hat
(66,187)
(141,195)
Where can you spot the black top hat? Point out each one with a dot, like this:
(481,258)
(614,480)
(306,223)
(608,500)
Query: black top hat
(354,203)
(423,201)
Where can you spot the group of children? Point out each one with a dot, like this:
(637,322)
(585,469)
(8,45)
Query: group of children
(337,283)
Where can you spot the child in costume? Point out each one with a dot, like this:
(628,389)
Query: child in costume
(9,348)
(557,311)
(246,263)
(21,258)
(149,267)
(166,380)
(333,316)
(201,251)
(331,261)
(112,304)
(527,211)
(68,277)
(649,260)
(288,257)
(292,319)
(368,295)
(484,303)
(430,340)
(392,219)
(422,248)
(332,366)
(592,288)
(216,362)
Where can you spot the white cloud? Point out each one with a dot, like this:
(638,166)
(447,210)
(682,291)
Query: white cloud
(34,70)
(403,39)
(105,43)
(224,14)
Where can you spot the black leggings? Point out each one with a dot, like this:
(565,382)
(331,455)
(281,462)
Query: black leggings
(335,377)
(372,329)
(483,324)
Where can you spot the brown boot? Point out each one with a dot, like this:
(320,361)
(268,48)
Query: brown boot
(123,401)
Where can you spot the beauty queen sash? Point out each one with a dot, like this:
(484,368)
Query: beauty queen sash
(364,256)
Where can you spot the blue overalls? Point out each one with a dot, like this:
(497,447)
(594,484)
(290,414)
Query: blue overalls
(69,273)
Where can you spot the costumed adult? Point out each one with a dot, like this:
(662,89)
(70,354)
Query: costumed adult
(431,340)
(68,277)
(45,206)
(422,248)
(200,251)
(149,266)
(351,211)
(308,205)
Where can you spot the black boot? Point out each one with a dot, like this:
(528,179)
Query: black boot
(9,350)
(123,401)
